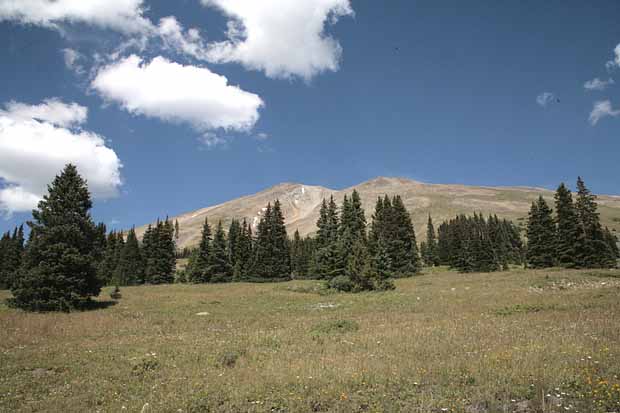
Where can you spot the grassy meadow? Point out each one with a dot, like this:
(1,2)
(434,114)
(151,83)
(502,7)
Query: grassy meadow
(518,341)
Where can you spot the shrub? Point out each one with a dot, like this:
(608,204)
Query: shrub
(341,283)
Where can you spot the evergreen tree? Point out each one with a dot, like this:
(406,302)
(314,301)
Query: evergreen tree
(401,241)
(330,249)
(380,269)
(593,251)
(243,260)
(99,243)
(131,264)
(299,258)
(361,277)
(176,230)
(57,271)
(198,265)
(11,252)
(219,267)
(432,256)
(567,234)
(612,241)
(282,256)
(271,255)
(160,253)
(424,254)
(540,235)
(234,237)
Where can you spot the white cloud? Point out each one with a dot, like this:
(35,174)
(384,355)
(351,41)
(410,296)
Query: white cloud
(598,84)
(35,144)
(283,38)
(72,60)
(173,37)
(602,109)
(122,15)
(545,98)
(51,110)
(176,93)
(615,62)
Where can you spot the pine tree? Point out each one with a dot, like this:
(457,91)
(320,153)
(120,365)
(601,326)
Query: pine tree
(593,251)
(176,230)
(219,267)
(380,269)
(567,234)
(299,264)
(11,252)
(401,242)
(541,235)
(282,256)
(160,253)
(57,271)
(330,252)
(432,255)
(198,265)
(5,270)
(244,256)
(234,237)
(357,270)
(271,255)
(131,263)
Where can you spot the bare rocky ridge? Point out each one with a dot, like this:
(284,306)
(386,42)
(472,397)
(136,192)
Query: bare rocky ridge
(301,204)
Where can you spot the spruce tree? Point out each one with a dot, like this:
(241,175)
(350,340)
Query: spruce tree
(401,242)
(219,267)
(567,233)
(161,253)
(244,256)
(282,256)
(131,265)
(360,276)
(541,235)
(379,269)
(271,255)
(198,265)
(58,271)
(432,255)
(593,250)
(234,237)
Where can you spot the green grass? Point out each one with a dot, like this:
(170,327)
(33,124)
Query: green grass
(523,341)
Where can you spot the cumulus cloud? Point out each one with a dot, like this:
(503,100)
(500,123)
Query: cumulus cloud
(51,110)
(35,144)
(601,110)
(598,84)
(545,98)
(176,93)
(122,15)
(283,38)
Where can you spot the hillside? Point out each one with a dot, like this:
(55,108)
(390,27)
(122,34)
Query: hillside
(301,204)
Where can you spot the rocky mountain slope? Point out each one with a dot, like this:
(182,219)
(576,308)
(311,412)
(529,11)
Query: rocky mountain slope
(301,204)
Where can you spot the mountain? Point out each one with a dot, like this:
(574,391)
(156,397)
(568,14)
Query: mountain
(301,204)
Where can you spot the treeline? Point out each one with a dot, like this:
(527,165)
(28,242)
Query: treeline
(125,261)
(11,251)
(476,244)
(341,251)
(574,236)
(67,258)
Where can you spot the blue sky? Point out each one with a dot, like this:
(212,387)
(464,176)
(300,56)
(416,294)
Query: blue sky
(438,91)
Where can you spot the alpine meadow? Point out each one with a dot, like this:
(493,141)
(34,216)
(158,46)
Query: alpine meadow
(309,206)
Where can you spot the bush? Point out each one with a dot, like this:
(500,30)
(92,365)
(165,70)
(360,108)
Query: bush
(341,283)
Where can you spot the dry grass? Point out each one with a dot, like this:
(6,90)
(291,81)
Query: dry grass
(536,341)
